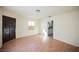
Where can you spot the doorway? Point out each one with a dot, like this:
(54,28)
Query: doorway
(8,28)
(50,28)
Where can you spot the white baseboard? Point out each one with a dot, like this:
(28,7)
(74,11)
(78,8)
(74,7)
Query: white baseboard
(71,43)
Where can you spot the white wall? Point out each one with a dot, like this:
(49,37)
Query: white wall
(21,24)
(66,27)
(0,27)
(44,29)
(36,27)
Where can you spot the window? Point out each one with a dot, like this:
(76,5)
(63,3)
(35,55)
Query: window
(31,25)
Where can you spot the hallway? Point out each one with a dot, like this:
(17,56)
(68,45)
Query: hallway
(35,43)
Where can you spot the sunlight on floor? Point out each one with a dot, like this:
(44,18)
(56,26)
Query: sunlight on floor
(45,36)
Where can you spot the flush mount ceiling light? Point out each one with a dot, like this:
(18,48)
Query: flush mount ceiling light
(50,18)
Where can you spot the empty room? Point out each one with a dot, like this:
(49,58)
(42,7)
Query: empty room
(39,29)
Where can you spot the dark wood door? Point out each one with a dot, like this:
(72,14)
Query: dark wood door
(9,28)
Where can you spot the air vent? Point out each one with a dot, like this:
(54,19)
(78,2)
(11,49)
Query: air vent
(49,16)
(38,11)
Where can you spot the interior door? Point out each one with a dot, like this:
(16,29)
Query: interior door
(9,28)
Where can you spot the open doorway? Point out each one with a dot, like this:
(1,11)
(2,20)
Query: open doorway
(50,28)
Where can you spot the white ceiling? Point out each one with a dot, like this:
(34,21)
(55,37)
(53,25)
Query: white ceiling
(44,10)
